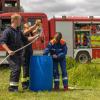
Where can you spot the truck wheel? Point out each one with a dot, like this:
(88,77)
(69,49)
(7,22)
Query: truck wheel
(83,57)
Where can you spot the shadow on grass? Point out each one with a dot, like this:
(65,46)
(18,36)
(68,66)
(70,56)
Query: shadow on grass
(79,89)
(74,89)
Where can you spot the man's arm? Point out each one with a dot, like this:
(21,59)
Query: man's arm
(47,49)
(24,38)
(30,39)
(10,52)
(36,30)
(32,28)
(27,31)
(64,52)
(3,42)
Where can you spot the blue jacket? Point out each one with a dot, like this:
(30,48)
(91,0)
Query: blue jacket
(60,49)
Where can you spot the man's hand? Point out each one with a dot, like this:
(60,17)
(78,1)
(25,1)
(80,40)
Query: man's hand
(10,52)
(30,39)
(55,56)
(38,22)
(36,30)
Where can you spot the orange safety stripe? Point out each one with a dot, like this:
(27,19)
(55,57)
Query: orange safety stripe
(62,41)
(53,41)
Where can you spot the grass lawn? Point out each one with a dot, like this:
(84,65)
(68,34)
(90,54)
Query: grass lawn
(84,78)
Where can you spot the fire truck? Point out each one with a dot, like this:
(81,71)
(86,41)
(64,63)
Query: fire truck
(82,34)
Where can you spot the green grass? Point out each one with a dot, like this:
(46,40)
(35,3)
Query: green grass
(85,78)
(87,75)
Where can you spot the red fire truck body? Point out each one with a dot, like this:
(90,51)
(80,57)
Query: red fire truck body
(87,45)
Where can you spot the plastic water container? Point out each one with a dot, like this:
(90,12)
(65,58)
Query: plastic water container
(41,73)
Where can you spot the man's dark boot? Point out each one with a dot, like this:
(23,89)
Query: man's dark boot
(66,88)
(25,85)
(13,88)
(56,87)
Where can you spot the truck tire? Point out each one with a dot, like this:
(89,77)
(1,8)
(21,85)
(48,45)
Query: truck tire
(83,57)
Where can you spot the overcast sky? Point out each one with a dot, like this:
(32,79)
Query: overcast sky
(63,7)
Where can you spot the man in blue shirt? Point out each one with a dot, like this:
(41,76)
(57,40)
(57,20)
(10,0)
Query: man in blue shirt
(58,50)
(12,40)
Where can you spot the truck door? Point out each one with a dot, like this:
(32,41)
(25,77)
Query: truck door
(66,28)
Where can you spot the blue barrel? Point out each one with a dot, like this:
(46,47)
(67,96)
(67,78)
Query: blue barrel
(41,73)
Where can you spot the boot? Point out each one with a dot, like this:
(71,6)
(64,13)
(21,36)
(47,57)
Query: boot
(13,88)
(65,88)
(25,85)
(56,87)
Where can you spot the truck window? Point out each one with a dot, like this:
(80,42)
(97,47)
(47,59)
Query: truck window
(95,28)
(10,4)
(95,35)
(31,21)
(5,23)
(82,35)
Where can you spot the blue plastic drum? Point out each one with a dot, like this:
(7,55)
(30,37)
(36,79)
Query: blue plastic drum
(41,73)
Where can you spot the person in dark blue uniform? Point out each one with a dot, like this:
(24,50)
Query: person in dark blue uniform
(28,52)
(58,50)
(12,40)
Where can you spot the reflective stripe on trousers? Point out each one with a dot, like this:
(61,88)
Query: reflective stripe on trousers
(56,80)
(13,83)
(65,78)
